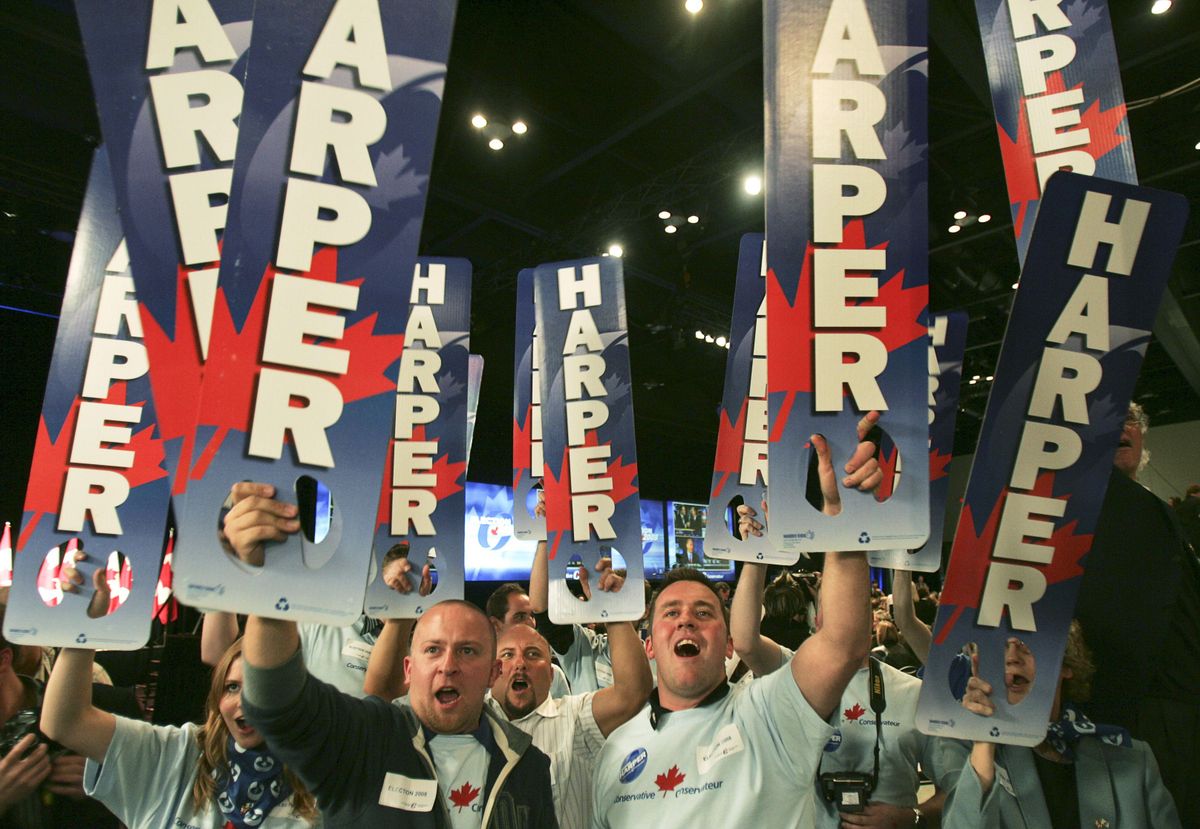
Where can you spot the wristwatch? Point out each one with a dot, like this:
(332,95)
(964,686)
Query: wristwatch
(916,817)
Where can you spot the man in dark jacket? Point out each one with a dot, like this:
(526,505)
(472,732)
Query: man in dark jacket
(439,762)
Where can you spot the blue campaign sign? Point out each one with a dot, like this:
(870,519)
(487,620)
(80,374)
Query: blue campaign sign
(845,87)
(527,416)
(423,504)
(947,344)
(740,468)
(587,434)
(1056,91)
(474,384)
(97,483)
(168,83)
(334,151)
(1098,263)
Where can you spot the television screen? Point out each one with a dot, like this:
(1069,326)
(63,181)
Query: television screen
(492,552)
(687,530)
(654,538)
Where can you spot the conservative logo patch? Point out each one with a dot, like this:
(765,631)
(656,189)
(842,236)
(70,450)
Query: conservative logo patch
(633,765)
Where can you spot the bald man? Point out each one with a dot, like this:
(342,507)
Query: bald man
(440,761)
(571,730)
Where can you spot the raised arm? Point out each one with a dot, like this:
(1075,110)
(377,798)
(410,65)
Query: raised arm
(218,631)
(915,632)
(760,653)
(632,681)
(828,659)
(539,580)
(385,668)
(68,716)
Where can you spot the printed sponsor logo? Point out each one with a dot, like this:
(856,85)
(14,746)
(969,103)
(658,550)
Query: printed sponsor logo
(633,765)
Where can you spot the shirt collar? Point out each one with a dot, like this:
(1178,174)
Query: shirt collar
(657,710)
(482,733)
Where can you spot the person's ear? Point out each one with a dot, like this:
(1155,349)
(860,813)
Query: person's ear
(495,673)
(649,644)
(6,659)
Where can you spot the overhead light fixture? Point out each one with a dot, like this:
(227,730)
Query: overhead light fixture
(990,378)
(1014,285)
(961,214)
(752,185)
(954,228)
(664,214)
(708,338)
(478,121)
(1198,145)
(496,144)
(975,377)
(693,219)
(694,6)
(616,250)
(1160,7)
(721,341)
(520,128)
(984,218)
(726,346)
(670,228)
(972,382)
(699,335)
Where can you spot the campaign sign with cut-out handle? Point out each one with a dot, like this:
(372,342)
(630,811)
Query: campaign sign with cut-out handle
(740,469)
(947,344)
(168,83)
(1098,264)
(527,416)
(423,501)
(97,481)
(335,145)
(847,263)
(1057,96)
(592,505)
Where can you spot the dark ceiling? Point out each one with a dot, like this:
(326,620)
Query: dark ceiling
(633,106)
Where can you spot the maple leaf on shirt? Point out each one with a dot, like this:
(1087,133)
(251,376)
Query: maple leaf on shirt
(854,713)
(668,781)
(463,796)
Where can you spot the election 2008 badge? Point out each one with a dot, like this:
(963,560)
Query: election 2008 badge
(1097,266)
(947,343)
(527,416)
(335,145)
(592,505)
(97,484)
(423,503)
(846,141)
(740,469)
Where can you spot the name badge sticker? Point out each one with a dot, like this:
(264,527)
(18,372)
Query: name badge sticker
(407,794)
(728,742)
(358,651)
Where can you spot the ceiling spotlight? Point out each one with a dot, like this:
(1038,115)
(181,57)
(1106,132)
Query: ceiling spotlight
(519,128)
(670,228)
(961,214)
(615,250)
(990,378)
(1198,145)
(664,214)
(496,144)
(693,219)
(975,377)
(752,185)
(1160,7)
(984,218)
(954,228)
(699,335)
(721,342)
(1014,285)
(478,121)
(708,338)
(694,6)
(972,382)
(727,346)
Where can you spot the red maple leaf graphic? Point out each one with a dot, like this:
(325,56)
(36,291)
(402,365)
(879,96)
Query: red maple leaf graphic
(48,474)
(855,712)
(449,478)
(177,372)
(558,491)
(522,446)
(668,781)
(939,464)
(790,332)
(971,554)
(1020,167)
(463,795)
(888,461)
(731,438)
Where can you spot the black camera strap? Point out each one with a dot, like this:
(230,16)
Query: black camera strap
(878,705)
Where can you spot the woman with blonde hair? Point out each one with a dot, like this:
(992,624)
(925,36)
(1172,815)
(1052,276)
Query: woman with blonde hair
(210,776)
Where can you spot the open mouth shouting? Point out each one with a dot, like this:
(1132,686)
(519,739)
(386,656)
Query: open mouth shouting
(447,696)
(520,684)
(687,648)
(242,728)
